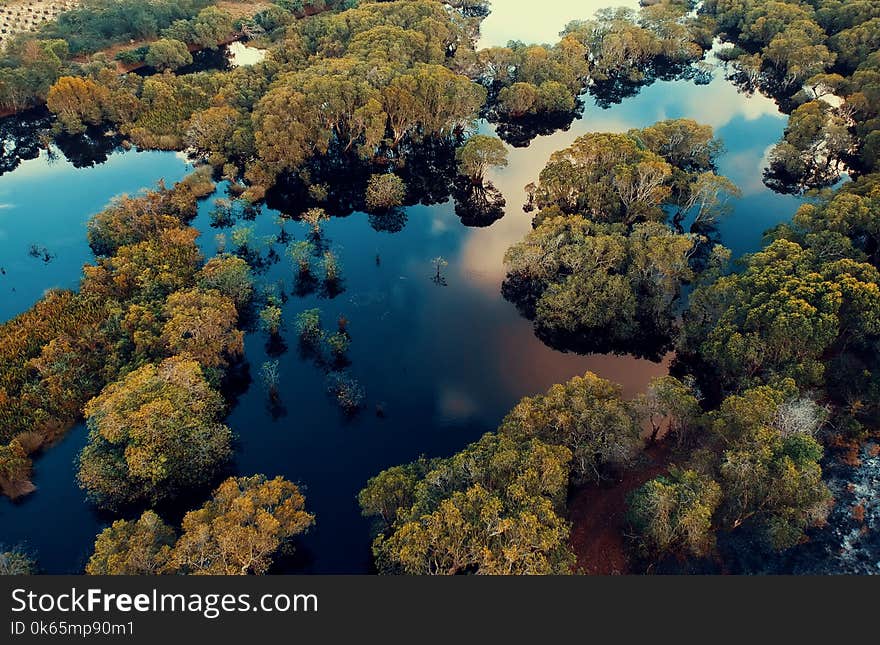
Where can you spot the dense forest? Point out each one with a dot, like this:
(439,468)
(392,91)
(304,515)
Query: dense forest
(777,357)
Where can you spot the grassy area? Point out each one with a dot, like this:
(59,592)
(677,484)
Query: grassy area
(242,9)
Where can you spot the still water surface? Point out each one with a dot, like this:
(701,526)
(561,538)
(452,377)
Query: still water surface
(444,363)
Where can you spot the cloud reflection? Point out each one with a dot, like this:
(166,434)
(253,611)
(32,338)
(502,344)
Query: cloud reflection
(538,22)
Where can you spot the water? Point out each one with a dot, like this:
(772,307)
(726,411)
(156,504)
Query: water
(47,201)
(444,363)
(532,22)
(240,55)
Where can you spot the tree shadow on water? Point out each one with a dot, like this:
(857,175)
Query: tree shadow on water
(478,205)
(519,132)
(389,221)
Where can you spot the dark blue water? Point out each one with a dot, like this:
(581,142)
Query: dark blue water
(47,201)
(444,363)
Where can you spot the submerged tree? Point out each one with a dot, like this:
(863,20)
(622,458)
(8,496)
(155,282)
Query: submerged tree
(270,319)
(315,217)
(301,254)
(439,263)
(349,394)
(231,276)
(478,154)
(384,193)
(309,328)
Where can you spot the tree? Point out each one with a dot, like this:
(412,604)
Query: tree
(766,20)
(211,27)
(315,217)
(857,43)
(684,143)
(283,139)
(132,548)
(301,254)
(673,514)
(555,98)
(17,563)
(349,394)
(496,513)
(672,407)
(130,220)
(799,52)
(231,276)
(150,270)
(15,470)
(641,187)
(220,133)
(167,53)
(392,491)
(624,177)
(479,153)
(844,224)
(247,521)
(330,264)
(153,434)
(588,416)
(518,100)
(590,287)
(707,196)
(620,47)
(385,192)
(202,325)
(469,532)
(780,316)
(270,319)
(430,101)
(769,473)
(811,154)
(309,328)
(78,102)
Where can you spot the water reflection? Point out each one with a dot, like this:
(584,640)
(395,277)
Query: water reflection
(47,201)
(240,55)
(26,135)
(538,22)
(478,205)
(749,127)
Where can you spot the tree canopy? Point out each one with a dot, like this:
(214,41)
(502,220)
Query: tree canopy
(491,509)
(247,523)
(153,434)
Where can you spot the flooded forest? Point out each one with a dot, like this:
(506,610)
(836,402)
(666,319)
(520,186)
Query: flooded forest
(426,287)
